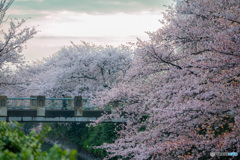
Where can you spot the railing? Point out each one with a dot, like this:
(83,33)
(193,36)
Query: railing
(41,109)
(20,103)
(41,106)
(51,103)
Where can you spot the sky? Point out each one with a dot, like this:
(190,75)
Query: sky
(112,22)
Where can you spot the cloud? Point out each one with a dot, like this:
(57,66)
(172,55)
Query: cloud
(25,13)
(59,28)
(65,23)
(29,0)
(111,22)
(94,6)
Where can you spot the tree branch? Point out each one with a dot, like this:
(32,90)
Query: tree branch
(178,67)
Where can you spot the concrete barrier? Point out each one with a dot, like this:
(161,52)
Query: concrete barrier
(41,104)
(78,106)
(3,106)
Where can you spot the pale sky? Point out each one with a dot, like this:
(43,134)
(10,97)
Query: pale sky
(111,22)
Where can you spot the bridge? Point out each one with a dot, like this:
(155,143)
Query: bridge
(42,109)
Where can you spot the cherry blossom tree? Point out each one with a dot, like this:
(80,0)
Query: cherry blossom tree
(182,93)
(82,70)
(17,79)
(13,37)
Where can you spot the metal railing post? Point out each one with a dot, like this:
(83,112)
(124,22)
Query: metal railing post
(78,106)
(41,104)
(3,106)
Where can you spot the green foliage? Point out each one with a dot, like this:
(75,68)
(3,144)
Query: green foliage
(142,128)
(108,107)
(83,136)
(15,145)
(68,133)
(76,133)
(27,126)
(103,133)
(57,153)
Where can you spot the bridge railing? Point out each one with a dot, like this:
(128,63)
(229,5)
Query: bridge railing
(20,103)
(39,105)
(50,103)
(57,103)
(31,103)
